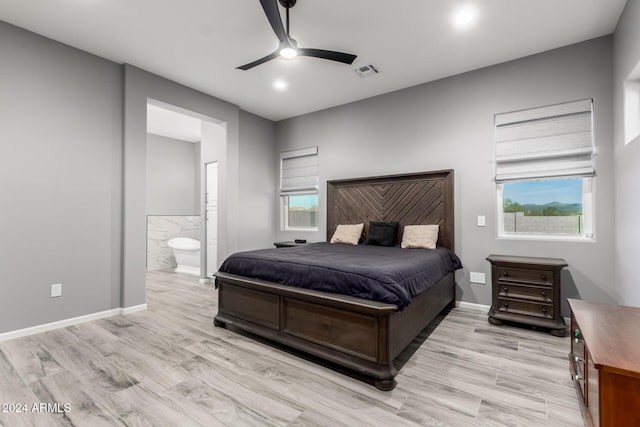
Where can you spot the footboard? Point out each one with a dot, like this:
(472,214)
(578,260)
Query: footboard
(351,332)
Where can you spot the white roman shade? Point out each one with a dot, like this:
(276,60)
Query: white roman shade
(299,170)
(546,142)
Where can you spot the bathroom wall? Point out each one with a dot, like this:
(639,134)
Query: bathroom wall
(173,196)
(161,229)
(171,176)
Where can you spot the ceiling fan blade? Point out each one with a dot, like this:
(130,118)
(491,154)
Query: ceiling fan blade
(270,8)
(259,61)
(331,55)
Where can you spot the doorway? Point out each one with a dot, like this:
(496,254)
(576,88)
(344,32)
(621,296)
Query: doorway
(185,193)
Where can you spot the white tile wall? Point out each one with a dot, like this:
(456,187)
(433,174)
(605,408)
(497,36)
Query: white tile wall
(161,229)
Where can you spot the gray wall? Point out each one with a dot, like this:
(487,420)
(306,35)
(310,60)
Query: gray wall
(60,180)
(171,176)
(449,124)
(68,212)
(258,154)
(627,162)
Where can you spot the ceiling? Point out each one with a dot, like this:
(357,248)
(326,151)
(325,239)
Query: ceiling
(200,42)
(166,122)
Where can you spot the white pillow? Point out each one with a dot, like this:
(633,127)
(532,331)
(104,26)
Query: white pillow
(420,236)
(349,234)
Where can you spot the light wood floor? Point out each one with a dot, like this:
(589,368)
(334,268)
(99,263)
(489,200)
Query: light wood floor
(169,366)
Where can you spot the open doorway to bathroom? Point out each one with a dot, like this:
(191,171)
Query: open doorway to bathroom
(185,165)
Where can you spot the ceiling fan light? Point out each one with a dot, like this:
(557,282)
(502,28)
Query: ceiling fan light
(288,52)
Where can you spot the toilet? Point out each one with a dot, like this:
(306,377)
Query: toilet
(187,254)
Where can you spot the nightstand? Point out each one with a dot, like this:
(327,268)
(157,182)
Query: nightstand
(527,290)
(288,244)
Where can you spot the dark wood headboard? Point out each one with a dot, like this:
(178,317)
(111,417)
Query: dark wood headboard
(409,199)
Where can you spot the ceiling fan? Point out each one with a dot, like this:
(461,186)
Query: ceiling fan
(288,46)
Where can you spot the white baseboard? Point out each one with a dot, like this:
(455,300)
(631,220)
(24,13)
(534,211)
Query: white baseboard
(472,306)
(133,309)
(70,322)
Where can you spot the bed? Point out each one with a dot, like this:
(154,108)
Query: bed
(361,335)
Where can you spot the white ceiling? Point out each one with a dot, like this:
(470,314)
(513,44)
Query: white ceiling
(200,42)
(172,124)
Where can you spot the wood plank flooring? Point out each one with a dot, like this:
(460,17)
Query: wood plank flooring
(169,366)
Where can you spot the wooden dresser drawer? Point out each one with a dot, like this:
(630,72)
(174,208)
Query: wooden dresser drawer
(577,376)
(605,362)
(534,293)
(544,311)
(522,275)
(577,359)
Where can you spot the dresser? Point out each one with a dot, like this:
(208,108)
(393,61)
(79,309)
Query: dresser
(605,362)
(527,290)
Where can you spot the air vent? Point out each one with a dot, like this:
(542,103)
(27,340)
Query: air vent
(366,71)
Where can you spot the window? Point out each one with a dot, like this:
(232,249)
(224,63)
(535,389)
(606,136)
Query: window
(299,189)
(300,211)
(544,172)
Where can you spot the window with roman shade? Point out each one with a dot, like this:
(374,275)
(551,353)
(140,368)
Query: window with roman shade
(299,171)
(299,189)
(547,142)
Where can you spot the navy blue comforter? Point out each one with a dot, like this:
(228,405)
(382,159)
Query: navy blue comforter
(387,274)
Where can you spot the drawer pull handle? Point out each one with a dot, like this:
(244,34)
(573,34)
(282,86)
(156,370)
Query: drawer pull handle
(506,304)
(543,277)
(577,340)
(505,274)
(577,359)
(544,310)
(544,294)
(505,289)
(578,377)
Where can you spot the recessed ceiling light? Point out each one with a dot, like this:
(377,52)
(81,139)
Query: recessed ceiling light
(463,17)
(280,84)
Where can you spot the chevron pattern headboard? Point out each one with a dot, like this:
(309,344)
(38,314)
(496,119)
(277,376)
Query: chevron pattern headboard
(410,199)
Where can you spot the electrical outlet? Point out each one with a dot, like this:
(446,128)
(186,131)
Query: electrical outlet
(56,290)
(476,277)
(482,221)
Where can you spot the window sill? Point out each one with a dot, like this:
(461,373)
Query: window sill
(303,229)
(546,238)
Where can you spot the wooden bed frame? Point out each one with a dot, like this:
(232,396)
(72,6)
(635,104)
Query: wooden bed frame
(362,335)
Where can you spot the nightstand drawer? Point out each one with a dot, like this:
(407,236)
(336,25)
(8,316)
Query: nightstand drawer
(544,311)
(523,275)
(533,293)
